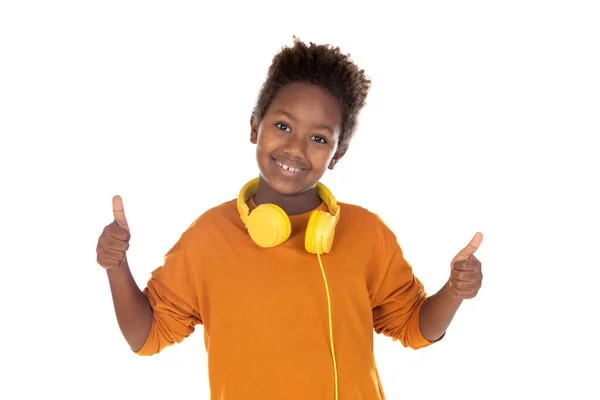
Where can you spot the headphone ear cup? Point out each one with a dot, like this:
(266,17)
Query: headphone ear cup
(268,225)
(320,232)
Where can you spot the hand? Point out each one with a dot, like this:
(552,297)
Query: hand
(465,275)
(114,240)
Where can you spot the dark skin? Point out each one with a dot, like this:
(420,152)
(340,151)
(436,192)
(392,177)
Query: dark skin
(296,142)
(464,283)
(134,314)
(301,129)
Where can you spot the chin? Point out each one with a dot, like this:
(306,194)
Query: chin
(286,187)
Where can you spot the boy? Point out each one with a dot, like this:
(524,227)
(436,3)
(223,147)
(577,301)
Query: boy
(288,284)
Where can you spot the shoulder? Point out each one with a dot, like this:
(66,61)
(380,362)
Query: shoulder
(354,214)
(219,218)
(217,214)
(371,225)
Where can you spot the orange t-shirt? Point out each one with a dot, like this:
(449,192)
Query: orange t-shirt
(265,314)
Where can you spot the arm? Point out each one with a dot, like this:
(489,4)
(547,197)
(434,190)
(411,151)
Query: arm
(133,310)
(132,307)
(166,311)
(401,308)
(465,280)
(437,312)
(397,295)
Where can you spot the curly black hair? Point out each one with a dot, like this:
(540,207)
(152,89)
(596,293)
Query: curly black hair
(322,65)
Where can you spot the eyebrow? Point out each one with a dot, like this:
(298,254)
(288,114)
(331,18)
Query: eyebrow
(318,126)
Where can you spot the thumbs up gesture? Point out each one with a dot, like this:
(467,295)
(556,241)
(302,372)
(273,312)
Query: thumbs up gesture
(114,240)
(465,275)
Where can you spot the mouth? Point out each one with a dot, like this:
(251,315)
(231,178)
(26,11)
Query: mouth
(290,169)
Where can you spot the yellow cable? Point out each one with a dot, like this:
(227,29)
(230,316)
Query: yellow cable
(335,372)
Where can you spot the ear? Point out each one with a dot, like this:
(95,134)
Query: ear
(338,155)
(253,129)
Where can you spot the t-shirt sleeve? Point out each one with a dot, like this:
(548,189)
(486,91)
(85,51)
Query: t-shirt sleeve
(171,291)
(397,295)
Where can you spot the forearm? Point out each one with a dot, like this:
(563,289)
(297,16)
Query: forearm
(132,308)
(437,312)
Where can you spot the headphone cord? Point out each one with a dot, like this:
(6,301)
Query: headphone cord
(335,372)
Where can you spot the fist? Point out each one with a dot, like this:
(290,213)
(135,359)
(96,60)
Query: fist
(465,271)
(114,240)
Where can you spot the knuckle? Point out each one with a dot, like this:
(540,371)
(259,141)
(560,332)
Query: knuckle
(122,234)
(115,254)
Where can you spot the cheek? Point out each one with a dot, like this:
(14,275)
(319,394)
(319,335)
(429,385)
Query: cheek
(321,157)
(268,140)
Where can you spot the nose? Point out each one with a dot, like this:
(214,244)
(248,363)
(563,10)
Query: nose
(295,146)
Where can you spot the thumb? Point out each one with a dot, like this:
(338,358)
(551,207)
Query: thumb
(472,247)
(119,212)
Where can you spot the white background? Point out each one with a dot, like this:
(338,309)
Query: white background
(482,116)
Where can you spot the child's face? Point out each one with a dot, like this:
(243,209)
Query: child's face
(298,137)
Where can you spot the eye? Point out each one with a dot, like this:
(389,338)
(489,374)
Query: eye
(283,127)
(319,139)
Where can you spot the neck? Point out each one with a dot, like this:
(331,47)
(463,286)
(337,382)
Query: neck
(292,204)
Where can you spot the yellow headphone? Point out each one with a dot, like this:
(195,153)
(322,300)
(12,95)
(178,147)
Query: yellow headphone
(269,226)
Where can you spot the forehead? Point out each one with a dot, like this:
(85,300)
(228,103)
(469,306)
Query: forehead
(308,102)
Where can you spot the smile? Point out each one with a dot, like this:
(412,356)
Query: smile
(288,168)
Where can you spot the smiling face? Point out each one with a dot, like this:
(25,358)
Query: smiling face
(297,140)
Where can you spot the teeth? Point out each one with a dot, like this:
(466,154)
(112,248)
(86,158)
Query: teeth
(287,168)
